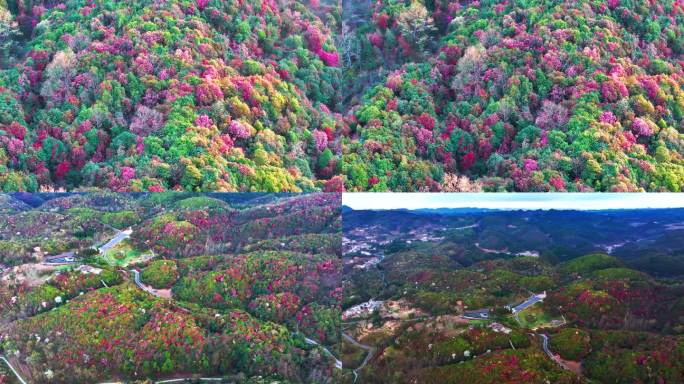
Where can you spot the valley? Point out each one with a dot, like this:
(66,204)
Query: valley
(508,296)
(170,288)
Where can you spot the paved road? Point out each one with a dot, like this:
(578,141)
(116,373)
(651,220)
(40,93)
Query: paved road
(21,380)
(468,226)
(188,378)
(529,302)
(178,380)
(136,279)
(545,347)
(338,363)
(119,237)
(368,348)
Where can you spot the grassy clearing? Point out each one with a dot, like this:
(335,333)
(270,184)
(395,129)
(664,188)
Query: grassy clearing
(479,323)
(531,318)
(122,255)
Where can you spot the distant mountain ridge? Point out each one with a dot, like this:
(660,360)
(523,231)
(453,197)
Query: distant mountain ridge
(646,239)
(469,210)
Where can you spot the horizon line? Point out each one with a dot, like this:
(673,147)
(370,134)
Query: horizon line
(510,209)
(513,201)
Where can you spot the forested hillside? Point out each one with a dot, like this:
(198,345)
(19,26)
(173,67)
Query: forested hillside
(294,95)
(520,95)
(157,95)
(562,296)
(105,286)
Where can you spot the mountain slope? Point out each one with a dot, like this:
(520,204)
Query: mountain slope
(522,95)
(148,95)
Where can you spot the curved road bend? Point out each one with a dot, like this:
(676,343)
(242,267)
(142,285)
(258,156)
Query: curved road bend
(136,279)
(371,351)
(545,347)
(338,363)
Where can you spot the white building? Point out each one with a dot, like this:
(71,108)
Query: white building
(361,309)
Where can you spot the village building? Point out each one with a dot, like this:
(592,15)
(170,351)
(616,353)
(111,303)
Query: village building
(479,314)
(88,269)
(62,258)
(499,328)
(361,309)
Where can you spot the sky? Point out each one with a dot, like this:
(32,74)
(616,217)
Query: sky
(512,201)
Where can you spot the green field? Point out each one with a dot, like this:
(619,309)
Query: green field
(532,318)
(479,323)
(123,254)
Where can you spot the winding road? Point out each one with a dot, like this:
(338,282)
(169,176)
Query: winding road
(136,279)
(545,347)
(338,363)
(371,351)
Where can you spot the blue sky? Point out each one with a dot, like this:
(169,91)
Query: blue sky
(579,201)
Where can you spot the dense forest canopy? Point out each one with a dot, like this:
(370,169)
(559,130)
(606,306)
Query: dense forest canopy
(521,95)
(290,95)
(157,95)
